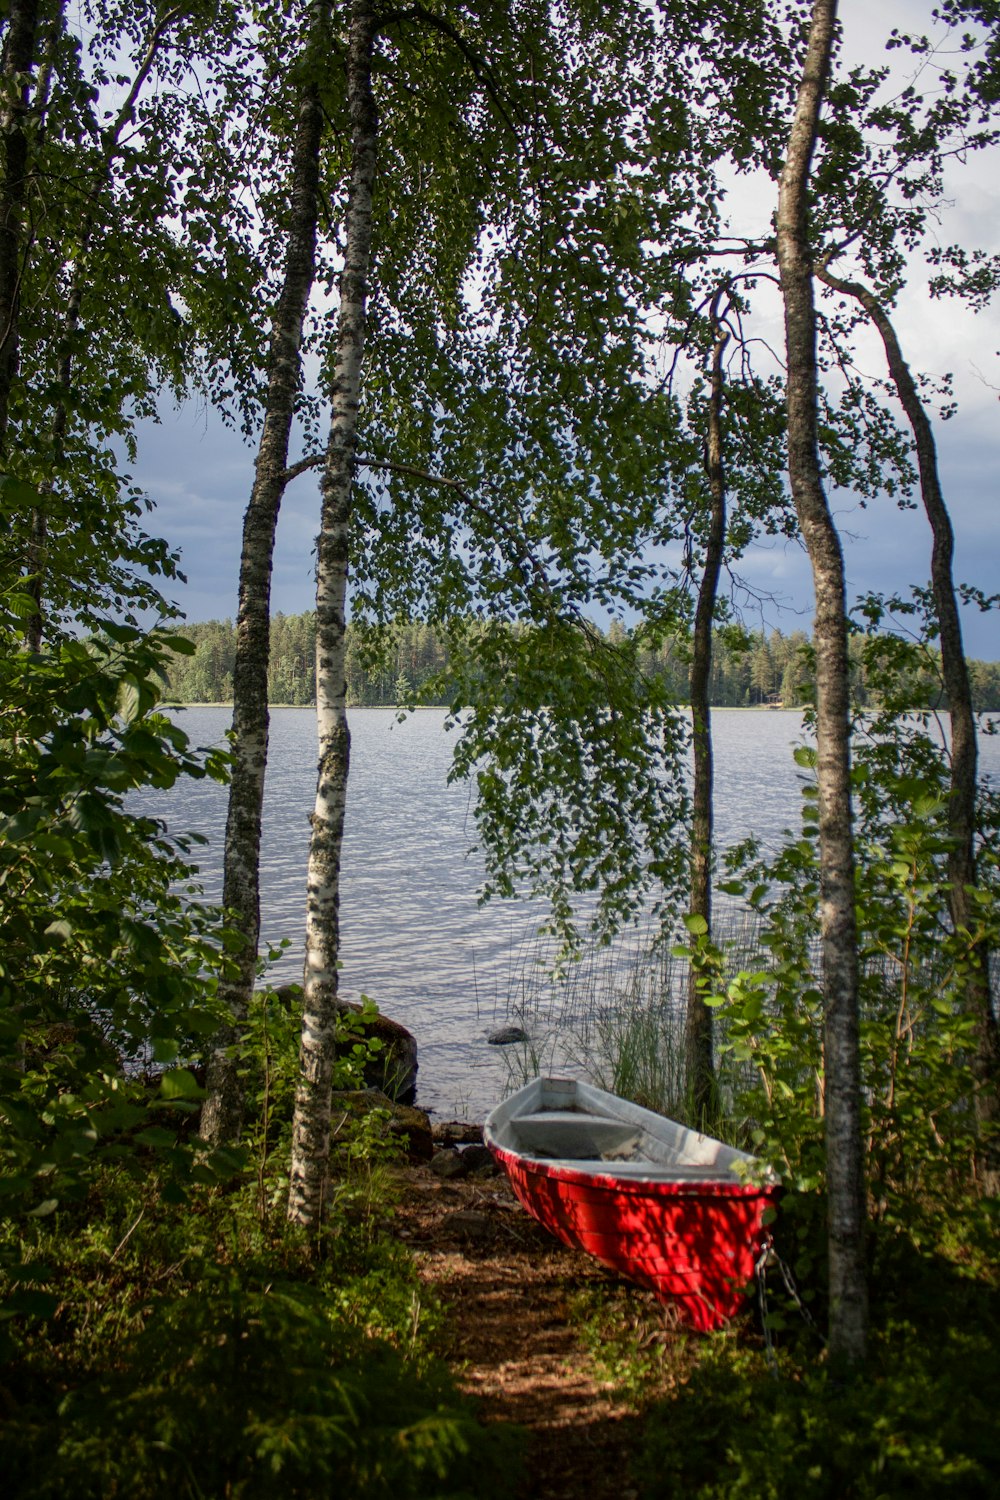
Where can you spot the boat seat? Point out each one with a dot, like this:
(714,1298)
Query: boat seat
(570,1135)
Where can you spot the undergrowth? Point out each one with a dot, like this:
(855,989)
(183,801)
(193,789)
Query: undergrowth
(734,1416)
(216,1352)
(919,1422)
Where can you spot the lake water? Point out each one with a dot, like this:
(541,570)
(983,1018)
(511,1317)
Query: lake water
(414,937)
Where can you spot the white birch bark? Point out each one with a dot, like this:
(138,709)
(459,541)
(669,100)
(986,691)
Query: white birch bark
(222,1111)
(311,1124)
(844,1152)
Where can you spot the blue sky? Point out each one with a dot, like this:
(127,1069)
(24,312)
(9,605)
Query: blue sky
(199,474)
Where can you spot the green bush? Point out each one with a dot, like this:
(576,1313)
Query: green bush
(251,1393)
(108,955)
(212,1353)
(920,1423)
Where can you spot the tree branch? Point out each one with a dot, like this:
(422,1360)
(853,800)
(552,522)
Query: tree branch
(479,67)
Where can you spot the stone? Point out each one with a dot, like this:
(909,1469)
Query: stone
(413,1124)
(448,1164)
(457,1133)
(478,1159)
(506,1036)
(468,1223)
(393,1069)
(407,1124)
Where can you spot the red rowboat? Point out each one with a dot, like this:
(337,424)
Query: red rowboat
(671,1209)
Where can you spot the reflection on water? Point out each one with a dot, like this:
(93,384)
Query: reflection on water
(413,934)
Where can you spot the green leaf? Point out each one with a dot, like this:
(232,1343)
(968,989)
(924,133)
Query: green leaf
(180,1083)
(157,1137)
(23,606)
(18,494)
(129,700)
(44,1209)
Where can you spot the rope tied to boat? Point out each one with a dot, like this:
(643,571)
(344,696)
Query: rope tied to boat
(767,1258)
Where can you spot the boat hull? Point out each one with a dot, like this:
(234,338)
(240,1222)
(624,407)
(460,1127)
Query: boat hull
(694,1243)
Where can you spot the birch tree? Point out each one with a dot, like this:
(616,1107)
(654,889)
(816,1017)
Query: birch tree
(118,287)
(78,284)
(311,1123)
(842,1080)
(222,1111)
(17,63)
(884,187)
(699,1068)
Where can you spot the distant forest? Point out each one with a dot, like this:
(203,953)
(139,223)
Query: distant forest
(762,669)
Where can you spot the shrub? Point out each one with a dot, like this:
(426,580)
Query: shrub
(919,1424)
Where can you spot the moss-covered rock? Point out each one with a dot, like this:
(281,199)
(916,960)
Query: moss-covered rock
(404,1122)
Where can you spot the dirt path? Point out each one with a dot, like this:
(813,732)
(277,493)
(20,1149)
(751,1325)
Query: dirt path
(512,1341)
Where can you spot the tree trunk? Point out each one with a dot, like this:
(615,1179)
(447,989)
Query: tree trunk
(962,875)
(844,1150)
(311,1126)
(18,59)
(699,1067)
(222,1111)
(38,528)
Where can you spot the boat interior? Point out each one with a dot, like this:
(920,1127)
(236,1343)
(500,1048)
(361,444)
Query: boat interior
(592,1142)
(562,1121)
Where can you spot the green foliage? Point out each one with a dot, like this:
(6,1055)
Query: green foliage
(269,1050)
(918,1422)
(634,1341)
(916,1036)
(135,272)
(107,953)
(202,1354)
(579,768)
(269,1391)
(749,668)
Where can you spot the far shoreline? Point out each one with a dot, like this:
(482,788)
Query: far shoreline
(393,708)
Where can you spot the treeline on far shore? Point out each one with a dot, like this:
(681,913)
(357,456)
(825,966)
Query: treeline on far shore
(758,670)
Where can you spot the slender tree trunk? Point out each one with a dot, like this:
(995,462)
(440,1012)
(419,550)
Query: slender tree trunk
(39,526)
(15,70)
(37,532)
(222,1111)
(844,1150)
(962,874)
(311,1127)
(38,535)
(43,87)
(698,1027)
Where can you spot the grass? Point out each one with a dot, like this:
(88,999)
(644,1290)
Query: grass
(615,1015)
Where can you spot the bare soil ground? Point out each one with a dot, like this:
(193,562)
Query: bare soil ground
(512,1341)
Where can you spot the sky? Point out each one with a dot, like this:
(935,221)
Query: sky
(199,474)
